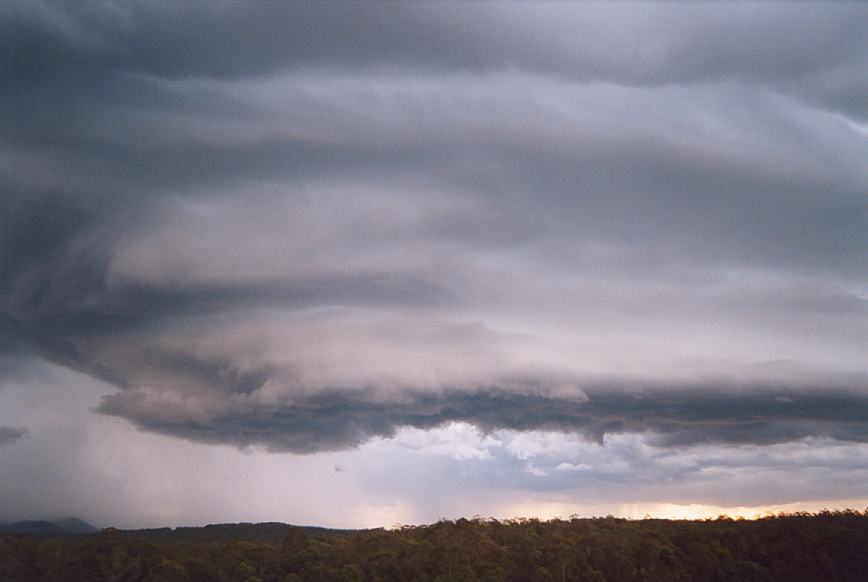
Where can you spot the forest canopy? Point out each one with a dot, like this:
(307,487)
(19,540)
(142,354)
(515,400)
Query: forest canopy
(801,546)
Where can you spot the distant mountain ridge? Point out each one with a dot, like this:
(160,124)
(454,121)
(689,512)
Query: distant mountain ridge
(220,532)
(70,526)
(273,531)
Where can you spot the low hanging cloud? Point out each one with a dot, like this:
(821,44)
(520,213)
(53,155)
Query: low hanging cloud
(338,420)
(263,236)
(9,435)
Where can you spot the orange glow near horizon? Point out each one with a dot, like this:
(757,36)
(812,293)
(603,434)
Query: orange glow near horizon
(549,510)
(396,514)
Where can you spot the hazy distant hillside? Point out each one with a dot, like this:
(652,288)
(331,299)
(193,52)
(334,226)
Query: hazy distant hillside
(56,527)
(831,546)
(258,532)
(253,532)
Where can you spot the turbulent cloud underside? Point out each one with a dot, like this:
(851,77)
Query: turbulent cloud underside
(639,219)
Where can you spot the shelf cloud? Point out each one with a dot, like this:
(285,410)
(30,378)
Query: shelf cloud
(302,227)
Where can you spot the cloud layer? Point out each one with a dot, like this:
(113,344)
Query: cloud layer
(303,226)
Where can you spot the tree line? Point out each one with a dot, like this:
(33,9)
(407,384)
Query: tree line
(826,546)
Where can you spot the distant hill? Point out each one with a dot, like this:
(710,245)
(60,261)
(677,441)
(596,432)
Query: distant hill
(75,526)
(222,532)
(69,526)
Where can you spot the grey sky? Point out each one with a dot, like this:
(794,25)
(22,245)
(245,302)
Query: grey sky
(333,229)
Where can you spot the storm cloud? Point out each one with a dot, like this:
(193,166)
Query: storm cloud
(303,226)
(336,420)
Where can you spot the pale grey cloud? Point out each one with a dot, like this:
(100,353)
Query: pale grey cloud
(9,435)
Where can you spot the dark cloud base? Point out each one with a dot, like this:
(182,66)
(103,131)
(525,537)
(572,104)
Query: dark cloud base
(675,415)
(673,418)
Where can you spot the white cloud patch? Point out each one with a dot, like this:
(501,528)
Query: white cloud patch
(461,441)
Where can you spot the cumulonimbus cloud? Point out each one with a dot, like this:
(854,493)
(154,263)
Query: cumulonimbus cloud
(272,240)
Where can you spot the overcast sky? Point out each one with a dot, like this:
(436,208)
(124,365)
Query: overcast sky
(355,264)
